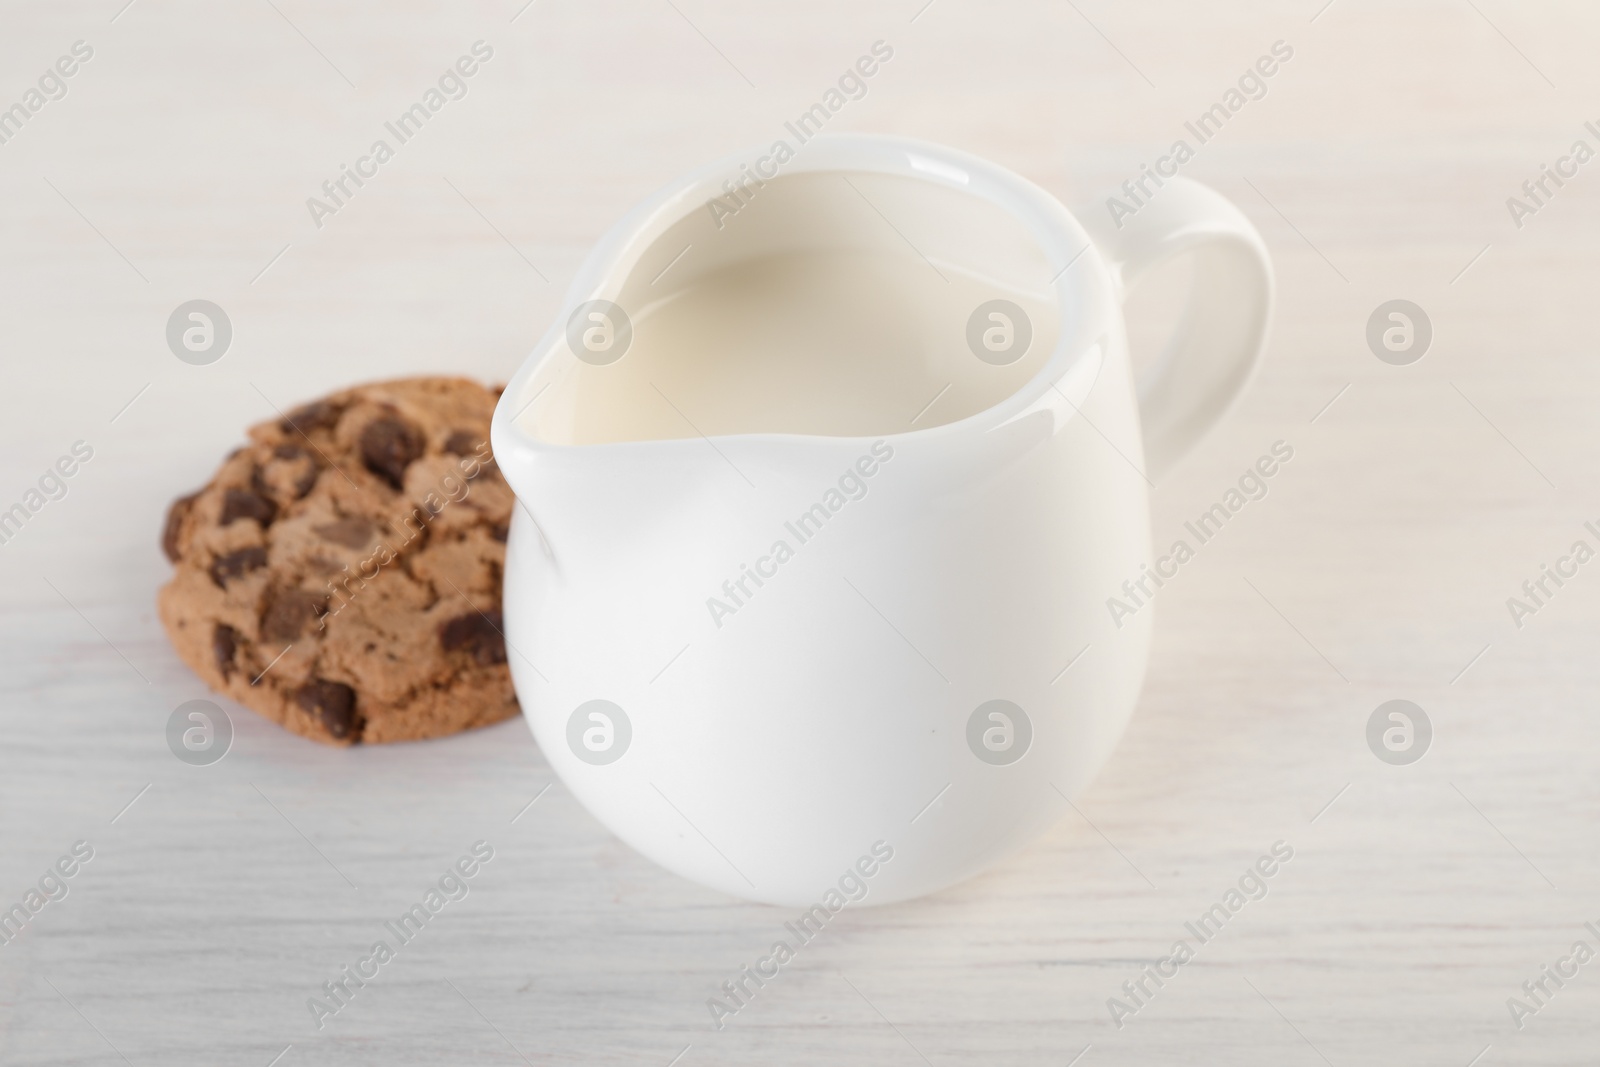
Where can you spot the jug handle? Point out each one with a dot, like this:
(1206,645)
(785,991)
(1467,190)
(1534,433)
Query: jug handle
(1214,351)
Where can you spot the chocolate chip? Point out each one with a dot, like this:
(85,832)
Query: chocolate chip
(332,702)
(236,563)
(317,415)
(289,612)
(463,443)
(351,533)
(478,634)
(499,531)
(244,504)
(291,472)
(174,526)
(260,487)
(224,643)
(387,448)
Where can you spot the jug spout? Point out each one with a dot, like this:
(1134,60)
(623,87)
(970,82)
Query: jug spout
(674,501)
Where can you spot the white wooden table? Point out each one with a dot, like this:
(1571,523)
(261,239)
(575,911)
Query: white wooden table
(1419,898)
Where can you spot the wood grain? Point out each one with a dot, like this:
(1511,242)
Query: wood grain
(1377,166)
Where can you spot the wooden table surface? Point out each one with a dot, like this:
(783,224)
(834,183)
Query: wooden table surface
(1420,497)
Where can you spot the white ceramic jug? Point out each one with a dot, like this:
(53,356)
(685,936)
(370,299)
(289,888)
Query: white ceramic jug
(825,474)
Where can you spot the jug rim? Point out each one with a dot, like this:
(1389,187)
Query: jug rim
(1081,285)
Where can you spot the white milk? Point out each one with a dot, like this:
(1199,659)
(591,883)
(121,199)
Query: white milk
(829,305)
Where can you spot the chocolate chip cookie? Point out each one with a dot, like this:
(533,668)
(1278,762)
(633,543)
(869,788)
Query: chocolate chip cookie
(341,573)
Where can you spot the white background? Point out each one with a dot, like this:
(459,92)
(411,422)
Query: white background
(1377,167)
